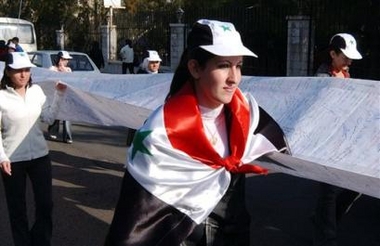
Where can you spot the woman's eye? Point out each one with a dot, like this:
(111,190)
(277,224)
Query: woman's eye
(224,65)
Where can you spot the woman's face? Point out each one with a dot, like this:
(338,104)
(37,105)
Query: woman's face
(153,66)
(19,77)
(340,62)
(216,83)
(63,62)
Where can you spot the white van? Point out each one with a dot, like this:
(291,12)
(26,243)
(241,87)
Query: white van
(24,30)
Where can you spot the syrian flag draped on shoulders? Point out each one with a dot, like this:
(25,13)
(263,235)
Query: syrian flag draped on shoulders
(175,178)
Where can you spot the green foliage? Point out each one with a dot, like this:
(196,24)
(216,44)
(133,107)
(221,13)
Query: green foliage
(82,22)
(78,21)
(206,3)
(131,5)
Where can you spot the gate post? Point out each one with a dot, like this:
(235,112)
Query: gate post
(60,38)
(105,42)
(108,43)
(177,43)
(299,46)
(109,37)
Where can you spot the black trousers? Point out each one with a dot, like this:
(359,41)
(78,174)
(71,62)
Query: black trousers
(333,203)
(40,174)
(229,222)
(128,66)
(66,132)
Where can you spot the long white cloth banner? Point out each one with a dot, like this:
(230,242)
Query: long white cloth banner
(332,125)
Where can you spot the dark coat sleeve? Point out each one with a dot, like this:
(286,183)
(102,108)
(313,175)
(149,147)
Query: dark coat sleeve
(272,131)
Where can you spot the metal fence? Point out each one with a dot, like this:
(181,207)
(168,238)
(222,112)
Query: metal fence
(264,31)
(361,19)
(147,30)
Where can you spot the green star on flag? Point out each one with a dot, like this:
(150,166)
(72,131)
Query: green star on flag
(225,28)
(138,143)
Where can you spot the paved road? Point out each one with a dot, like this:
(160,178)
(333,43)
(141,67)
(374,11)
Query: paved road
(87,175)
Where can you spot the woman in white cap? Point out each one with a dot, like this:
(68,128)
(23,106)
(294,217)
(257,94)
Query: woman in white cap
(61,65)
(185,177)
(338,57)
(24,151)
(150,64)
(333,202)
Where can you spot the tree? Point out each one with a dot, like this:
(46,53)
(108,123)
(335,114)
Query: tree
(78,20)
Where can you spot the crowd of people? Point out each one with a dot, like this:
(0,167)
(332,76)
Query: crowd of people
(187,188)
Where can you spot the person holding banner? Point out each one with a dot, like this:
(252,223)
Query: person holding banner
(185,175)
(24,151)
(150,64)
(333,202)
(61,65)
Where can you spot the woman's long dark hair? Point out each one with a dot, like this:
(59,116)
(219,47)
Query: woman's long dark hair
(335,45)
(182,73)
(58,59)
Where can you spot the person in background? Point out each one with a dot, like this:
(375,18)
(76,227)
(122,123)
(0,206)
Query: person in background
(127,57)
(24,151)
(16,41)
(3,50)
(333,202)
(61,65)
(150,64)
(96,55)
(11,47)
(185,175)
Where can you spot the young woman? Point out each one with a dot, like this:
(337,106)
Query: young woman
(61,65)
(338,57)
(151,63)
(184,183)
(333,201)
(23,150)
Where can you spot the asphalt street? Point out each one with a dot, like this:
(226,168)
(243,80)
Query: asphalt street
(86,181)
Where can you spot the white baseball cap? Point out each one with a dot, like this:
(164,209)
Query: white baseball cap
(218,38)
(18,60)
(153,56)
(64,55)
(347,44)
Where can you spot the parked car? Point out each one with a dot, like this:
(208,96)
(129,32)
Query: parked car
(81,62)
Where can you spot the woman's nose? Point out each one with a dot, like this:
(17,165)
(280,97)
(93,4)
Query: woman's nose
(234,75)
